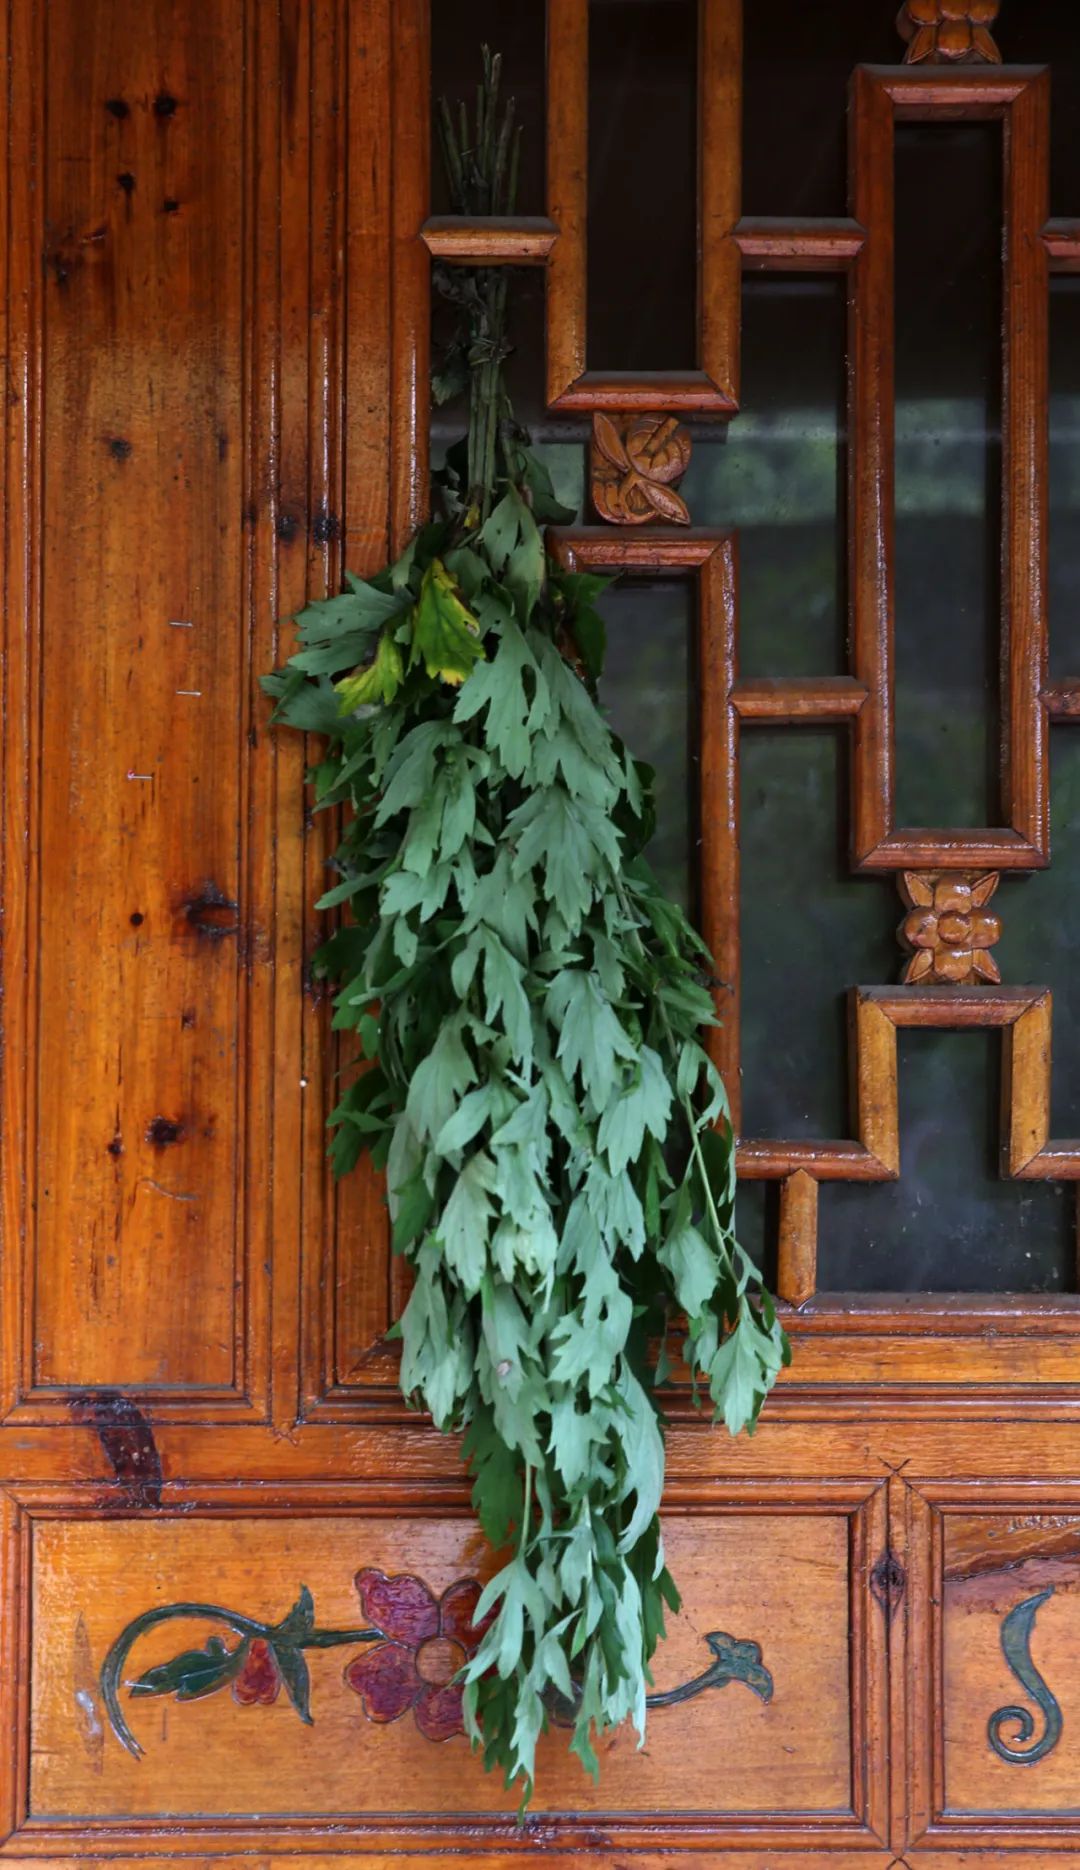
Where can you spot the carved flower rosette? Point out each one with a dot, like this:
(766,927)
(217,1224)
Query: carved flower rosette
(948,930)
(954,32)
(635,460)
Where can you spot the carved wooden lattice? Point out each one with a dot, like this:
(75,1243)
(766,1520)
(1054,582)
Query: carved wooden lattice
(943,79)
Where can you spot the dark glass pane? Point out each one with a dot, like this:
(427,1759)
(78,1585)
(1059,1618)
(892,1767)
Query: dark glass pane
(777,474)
(457,33)
(798,60)
(809,931)
(757,1218)
(642,270)
(950,1224)
(1044,32)
(1040,916)
(1064,554)
(647,690)
(948,392)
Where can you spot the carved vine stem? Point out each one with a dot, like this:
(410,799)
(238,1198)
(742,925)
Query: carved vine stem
(195,1674)
(249,1629)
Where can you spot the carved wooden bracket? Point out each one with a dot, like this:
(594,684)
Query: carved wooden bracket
(634,461)
(948,930)
(949,32)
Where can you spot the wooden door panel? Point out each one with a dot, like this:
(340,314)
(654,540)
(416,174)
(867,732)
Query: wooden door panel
(135,778)
(994,1657)
(175,459)
(216,341)
(810,1755)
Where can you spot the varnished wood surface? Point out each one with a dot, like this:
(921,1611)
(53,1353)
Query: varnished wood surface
(204,1761)
(139,765)
(775,245)
(496,241)
(198,1396)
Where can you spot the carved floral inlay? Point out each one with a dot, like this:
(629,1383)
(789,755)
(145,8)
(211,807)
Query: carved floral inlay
(412,1646)
(949,31)
(948,929)
(427,1640)
(635,460)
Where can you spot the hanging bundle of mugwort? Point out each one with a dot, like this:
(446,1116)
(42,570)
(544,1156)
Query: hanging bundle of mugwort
(558,1154)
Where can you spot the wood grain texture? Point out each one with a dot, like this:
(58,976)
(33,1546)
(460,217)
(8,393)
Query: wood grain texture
(982,1551)
(784,699)
(410,373)
(497,240)
(567,155)
(214,1765)
(796,1274)
(774,245)
(139,764)
(264,339)
(870,462)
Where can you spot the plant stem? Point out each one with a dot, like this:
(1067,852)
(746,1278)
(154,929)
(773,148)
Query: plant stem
(526,1512)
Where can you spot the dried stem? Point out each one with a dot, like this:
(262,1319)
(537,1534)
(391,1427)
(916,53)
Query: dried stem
(482,177)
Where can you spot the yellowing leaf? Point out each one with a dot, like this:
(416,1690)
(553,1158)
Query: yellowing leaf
(445,633)
(378,681)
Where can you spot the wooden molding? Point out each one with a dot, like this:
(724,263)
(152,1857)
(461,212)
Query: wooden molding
(799,246)
(1062,242)
(492,240)
(1020,99)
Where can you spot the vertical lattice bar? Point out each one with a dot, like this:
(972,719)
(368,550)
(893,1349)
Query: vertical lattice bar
(1024,464)
(1020,100)
(871,475)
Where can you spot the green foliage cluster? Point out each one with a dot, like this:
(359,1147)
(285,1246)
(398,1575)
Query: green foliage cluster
(558,1154)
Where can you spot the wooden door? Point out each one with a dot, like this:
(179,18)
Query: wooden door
(219,226)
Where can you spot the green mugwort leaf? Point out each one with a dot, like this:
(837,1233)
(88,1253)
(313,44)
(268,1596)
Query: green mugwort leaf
(378,681)
(445,634)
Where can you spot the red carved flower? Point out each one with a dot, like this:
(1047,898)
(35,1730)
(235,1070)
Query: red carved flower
(948,928)
(259,1681)
(427,1639)
(954,30)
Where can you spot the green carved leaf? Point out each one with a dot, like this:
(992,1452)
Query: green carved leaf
(194,1672)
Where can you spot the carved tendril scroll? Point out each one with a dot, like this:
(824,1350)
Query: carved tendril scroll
(1016,1648)
(955,32)
(635,460)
